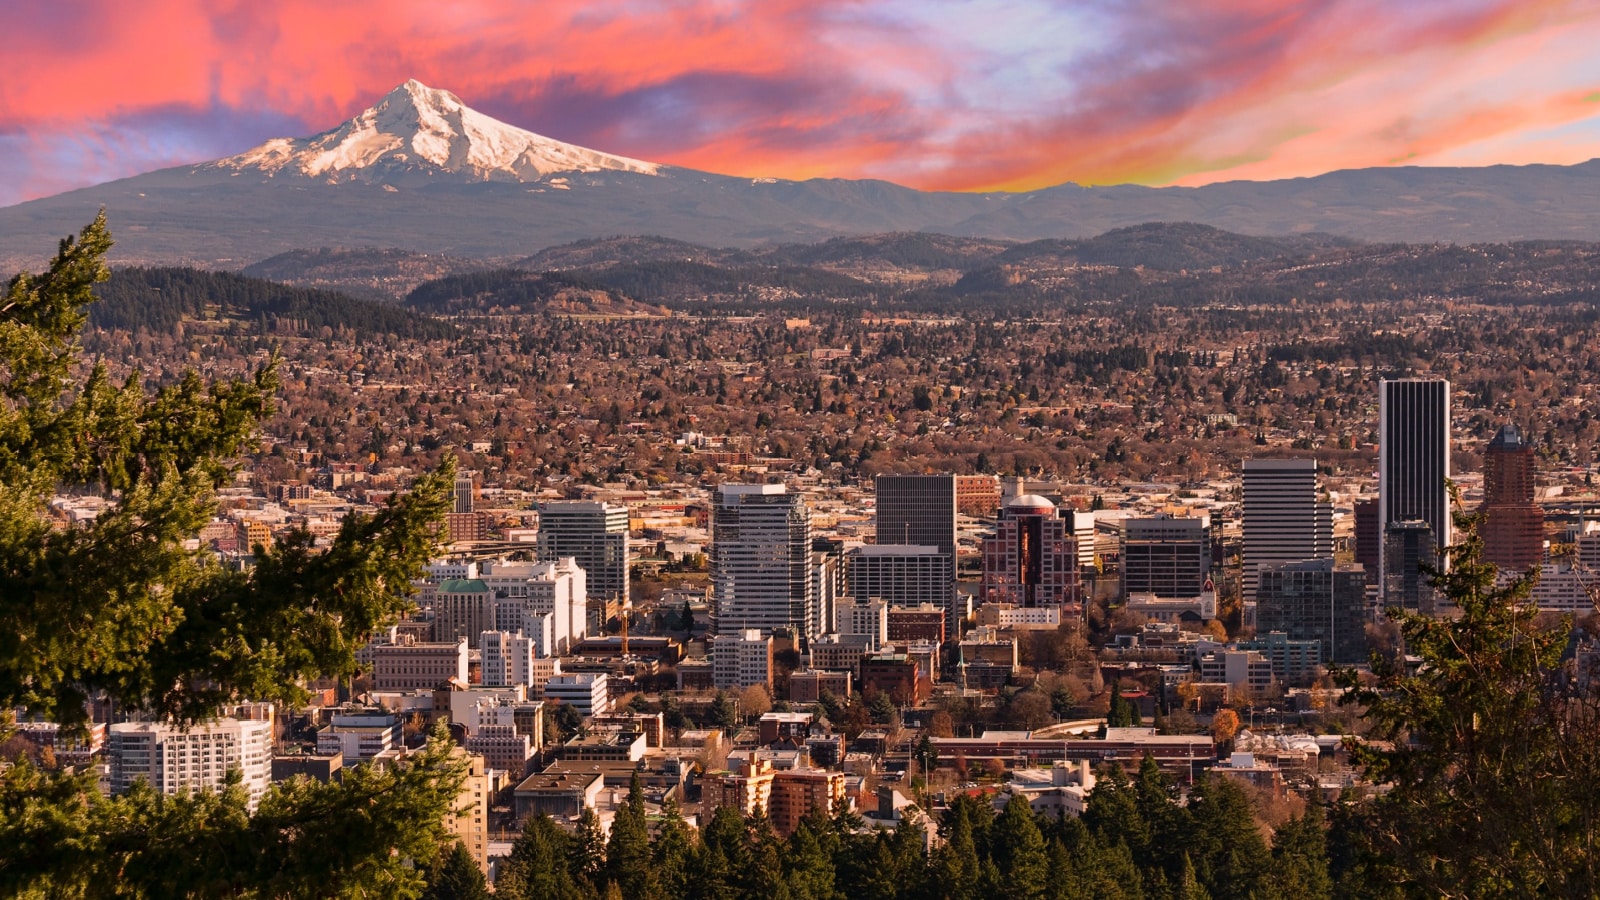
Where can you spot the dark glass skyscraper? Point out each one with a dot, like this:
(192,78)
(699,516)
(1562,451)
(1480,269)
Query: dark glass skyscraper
(1414,459)
(920,510)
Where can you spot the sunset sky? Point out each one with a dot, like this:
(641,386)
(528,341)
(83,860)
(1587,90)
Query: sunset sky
(947,95)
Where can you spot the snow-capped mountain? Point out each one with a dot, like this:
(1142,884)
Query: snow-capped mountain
(416,129)
(421,171)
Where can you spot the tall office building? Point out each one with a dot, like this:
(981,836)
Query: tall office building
(920,510)
(464,499)
(1316,600)
(761,560)
(1284,520)
(1032,559)
(1408,547)
(1413,463)
(507,658)
(1167,556)
(902,574)
(917,509)
(1513,525)
(593,533)
(1368,539)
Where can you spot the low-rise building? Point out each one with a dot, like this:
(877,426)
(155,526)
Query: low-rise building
(359,736)
(557,795)
(807,685)
(408,664)
(1235,667)
(742,658)
(587,692)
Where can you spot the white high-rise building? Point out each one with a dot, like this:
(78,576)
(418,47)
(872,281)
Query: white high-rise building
(902,574)
(593,533)
(761,559)
(741,658)
(507,658)
(1284,519)
(172,759)
(864,621)
(523,591)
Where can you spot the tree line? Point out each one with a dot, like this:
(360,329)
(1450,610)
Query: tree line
(1135,841)
(163,298)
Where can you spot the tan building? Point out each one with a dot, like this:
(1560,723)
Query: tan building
(977,495)
(746,785)
(796,792)
(807,686)
(409,664)
(471,822)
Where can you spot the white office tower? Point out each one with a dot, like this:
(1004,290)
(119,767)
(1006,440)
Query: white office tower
(761,559)
(587,692)
(464,494)
(864,621)
(507,658)
(596,535)
(524,592)
(741,658)
(173,760)
(1284,519)
(1413,463)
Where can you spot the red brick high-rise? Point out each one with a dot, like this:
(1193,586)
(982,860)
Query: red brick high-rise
(1513,527)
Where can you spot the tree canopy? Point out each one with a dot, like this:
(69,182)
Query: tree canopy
(121,608)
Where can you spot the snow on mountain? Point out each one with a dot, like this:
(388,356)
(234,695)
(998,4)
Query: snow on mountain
(415,128)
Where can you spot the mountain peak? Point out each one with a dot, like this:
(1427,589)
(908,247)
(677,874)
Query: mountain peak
(418,129)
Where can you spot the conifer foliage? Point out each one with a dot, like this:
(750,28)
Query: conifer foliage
(121,609)
(1012,853)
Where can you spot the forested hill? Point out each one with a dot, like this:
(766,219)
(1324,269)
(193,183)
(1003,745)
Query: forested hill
(516,291)
(159,299)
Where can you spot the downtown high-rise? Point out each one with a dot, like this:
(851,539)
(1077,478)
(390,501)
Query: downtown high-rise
(593,533)
(1285,519)
(1513,524)
(761,560)
(1413,468)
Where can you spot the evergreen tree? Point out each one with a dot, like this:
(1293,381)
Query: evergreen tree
(1492,776)
(1117,713)
(1113,815)
(1300,857)
(809,867)
(457,877)
(670,852)
(1019,851)
(537,868)
(1226,849)
(586,853)
(1189,886)
(1165,821)
(723,714)
(762,875)
(628,853)
(957,870)
(122,608)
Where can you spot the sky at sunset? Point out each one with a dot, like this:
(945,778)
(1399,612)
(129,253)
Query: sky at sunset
(935,95)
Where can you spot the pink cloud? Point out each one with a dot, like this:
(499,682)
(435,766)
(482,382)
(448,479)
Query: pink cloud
(1164,93)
